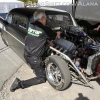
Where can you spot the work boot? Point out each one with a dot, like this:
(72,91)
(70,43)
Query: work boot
(15,85)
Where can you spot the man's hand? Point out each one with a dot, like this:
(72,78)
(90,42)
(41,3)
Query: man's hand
(58,34)
(97,28)
(50,43)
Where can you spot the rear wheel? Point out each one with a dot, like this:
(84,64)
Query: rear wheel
(86,26)
(57,73)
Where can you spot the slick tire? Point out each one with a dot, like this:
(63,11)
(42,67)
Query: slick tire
(57,73)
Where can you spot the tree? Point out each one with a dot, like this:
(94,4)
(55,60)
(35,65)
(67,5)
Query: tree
(34,1)
(26,1)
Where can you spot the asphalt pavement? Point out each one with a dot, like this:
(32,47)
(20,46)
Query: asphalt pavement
(11,66)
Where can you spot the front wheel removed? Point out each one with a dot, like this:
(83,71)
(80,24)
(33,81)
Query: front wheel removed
(57,73)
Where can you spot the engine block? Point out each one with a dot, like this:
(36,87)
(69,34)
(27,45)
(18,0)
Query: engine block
(65,44)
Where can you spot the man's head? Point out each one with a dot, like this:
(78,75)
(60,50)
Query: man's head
(40,16)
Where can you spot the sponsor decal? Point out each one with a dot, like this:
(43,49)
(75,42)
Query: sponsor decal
(34,32)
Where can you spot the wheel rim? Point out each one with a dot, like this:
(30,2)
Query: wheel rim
(54,74)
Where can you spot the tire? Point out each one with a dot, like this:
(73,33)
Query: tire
(86,26)
(5,42)
(95,63)
(61,71)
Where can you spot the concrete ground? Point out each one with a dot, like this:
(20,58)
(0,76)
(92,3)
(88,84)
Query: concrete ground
(11,61)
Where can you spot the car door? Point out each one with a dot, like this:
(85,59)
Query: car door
(3,24)
(17,32)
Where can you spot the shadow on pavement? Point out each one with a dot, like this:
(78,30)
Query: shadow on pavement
(81,97)
(98,81)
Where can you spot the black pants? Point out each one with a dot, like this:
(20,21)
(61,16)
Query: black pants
(37,65)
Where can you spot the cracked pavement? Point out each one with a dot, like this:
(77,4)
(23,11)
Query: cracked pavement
(11,66)
(9,62)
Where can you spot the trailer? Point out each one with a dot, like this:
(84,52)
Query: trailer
(86,13)
(7,5)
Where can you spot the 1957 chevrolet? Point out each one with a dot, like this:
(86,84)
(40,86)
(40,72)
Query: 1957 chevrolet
(74,56)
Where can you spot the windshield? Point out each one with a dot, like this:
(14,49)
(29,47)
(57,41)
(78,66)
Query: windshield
(58,20)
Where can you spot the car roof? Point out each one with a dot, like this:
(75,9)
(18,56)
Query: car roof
(28,11)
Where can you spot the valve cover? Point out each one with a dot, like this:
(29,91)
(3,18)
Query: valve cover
(65,44)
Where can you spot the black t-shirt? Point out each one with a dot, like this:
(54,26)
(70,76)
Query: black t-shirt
(36,38)
(51,34)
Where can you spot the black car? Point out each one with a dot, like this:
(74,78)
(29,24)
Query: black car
(74,55)
(15,25)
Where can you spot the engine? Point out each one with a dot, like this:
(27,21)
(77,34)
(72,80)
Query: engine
(78,46)
(76,35)
(65,47)
(65,44)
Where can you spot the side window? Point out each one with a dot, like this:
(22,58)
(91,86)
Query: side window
(31,19)
(20,21)
(14,19)
(9,18)
(23,22)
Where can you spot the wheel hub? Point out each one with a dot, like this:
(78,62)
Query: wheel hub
(54,74)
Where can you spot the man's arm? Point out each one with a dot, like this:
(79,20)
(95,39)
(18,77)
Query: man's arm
(51,34)
(50,43)
(97,28)
(58,34)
